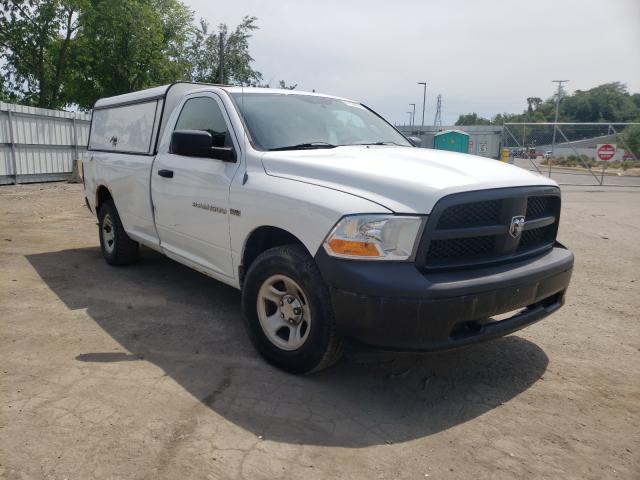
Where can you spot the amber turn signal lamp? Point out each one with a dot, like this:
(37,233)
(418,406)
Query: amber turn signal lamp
(348,247)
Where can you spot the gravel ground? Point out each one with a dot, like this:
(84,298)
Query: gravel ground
(145,371)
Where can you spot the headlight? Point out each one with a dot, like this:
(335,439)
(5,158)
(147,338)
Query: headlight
(374,237)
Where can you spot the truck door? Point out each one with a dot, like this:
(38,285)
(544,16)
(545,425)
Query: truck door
(190,195)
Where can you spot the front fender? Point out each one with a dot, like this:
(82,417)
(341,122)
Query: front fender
(306,211)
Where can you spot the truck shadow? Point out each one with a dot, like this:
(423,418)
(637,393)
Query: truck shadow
(191,327)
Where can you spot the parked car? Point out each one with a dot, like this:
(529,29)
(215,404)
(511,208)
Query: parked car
(331,223)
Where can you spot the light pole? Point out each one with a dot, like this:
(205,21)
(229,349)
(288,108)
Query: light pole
(424,101)
(413,116)
(409,119)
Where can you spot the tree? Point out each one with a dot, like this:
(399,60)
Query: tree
(202,54)
(5,96)
(501,118)
(610,102)
(36,42)
(284,85)
(472,119)
(128,45)
(631,139)
(55,53)
(533,103)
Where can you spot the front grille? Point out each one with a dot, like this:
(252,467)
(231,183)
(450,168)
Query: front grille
(473,229)
(538,207)
(461,247)
(537,237)
(475,214)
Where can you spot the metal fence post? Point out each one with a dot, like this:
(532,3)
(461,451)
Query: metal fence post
(75,139)
(553,144)
(13,149)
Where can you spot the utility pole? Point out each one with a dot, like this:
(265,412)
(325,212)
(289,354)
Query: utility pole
(555,123)
(221,59)
(413,117)
(424,101)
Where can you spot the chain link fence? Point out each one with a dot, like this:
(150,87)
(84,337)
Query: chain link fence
(573,153)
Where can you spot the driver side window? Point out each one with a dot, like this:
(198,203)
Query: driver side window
(203,113)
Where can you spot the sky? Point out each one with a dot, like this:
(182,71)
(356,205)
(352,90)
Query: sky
(484,56)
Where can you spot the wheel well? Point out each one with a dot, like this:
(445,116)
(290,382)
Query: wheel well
(102,195)
(262,239)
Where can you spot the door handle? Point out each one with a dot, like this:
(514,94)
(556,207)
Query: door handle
(166,173)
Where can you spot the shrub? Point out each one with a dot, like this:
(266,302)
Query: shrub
(585,161)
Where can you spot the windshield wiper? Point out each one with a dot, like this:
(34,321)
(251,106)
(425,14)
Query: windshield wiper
(380,143)
(304,146)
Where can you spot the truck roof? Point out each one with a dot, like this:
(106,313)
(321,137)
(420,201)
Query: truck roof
(278,91)
(155,105)
(184,87)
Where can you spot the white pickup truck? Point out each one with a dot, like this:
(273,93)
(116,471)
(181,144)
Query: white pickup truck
(333,225)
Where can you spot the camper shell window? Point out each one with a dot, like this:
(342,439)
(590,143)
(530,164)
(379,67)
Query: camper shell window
(125,128)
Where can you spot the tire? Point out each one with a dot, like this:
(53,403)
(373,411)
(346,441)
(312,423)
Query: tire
(304,310)
(117,247)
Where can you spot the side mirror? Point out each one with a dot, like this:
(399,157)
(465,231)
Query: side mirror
(198,143)
(417,141)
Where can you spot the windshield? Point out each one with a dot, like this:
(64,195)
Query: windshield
(291,122)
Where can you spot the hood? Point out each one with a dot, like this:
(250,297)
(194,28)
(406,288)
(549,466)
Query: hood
(402,179)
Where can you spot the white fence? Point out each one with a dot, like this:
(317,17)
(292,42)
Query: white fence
(39,145)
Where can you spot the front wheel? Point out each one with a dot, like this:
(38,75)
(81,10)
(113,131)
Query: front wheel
(288,312)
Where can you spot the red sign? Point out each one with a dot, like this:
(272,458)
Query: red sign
(606,151)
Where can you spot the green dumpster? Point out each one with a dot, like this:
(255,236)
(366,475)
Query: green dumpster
(452,140)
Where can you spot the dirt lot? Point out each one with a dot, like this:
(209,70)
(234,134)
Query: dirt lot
(145,371)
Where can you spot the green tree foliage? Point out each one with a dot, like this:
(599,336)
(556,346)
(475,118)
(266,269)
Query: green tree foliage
(202,54)
(4,95)
(284,85)
(631,138)
(36,44)
(610,102)
(472,119)
(64,52)
(128,45)
(533,104)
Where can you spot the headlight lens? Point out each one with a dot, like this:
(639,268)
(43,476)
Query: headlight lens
(374,237)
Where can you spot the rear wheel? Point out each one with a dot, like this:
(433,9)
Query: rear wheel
(288,312)
(117,247)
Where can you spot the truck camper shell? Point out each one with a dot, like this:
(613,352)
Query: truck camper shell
(133,122)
